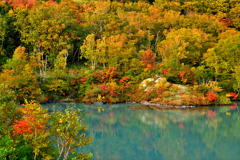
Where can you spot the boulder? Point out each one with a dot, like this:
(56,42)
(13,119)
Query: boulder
(182,89)
(145,82)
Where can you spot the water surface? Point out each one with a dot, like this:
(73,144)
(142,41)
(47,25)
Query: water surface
(131,131)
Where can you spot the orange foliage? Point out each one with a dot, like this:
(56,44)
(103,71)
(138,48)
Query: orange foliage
(211,96)
(226,21)
(18,3)
(181,75)
(148,59)
(234,95)
(29,124)
(165,71)
(123,80)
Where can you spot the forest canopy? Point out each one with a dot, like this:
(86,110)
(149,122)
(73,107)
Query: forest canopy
(60,48)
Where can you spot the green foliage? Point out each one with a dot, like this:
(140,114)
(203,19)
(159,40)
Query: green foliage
(20,151)
(234,15)
(33,128)
(192,42)
(18,75)
(48,29)
(236,75)
(57,86)
(26,136)
(184,45)
(224,100)
(8,108)
(68,132)
(224,57)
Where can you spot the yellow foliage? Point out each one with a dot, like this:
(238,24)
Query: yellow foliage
(213,85)
(18,75)
(7,76)
(228,95)
(100,98)
(113,85)
(166,85)
(159,84)
(184,80)
(11,13)
(57,86)
(60,121)
(20,53)
(162,83)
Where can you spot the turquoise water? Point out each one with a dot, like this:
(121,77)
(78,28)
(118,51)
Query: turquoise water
(131,131)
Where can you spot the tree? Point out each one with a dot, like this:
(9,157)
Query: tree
(94,16)
(208,24)
(8,108)
(149,59)
(185,45)
(88,50)
(33,128)
(48,29)
(9,38)
(19,3)
(224,57)
(68,132)
(120,51)
(234,14)
(169,5)
(18,75)
(236,75)
(228,33)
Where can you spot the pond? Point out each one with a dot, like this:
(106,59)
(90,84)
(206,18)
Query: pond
(132,131)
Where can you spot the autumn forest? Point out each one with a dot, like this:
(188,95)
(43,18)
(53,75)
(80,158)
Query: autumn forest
(166,52)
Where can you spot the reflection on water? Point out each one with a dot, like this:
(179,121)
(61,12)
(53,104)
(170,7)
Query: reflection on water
(134,132)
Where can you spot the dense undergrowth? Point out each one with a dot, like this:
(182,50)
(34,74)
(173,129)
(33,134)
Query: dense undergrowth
(29,132)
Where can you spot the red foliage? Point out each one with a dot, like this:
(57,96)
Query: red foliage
(46,99)
(211,96)
(24,111)
(72,82)
(123,80)
(83,80)
(112,92)
(126,86)
(108,75)
(226,21)
(27,126)
(165,71)
(233,95)
(181,74)
(18,3)
(104,87)
(111,72)
(149,59)
(21,126)
(211,114)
